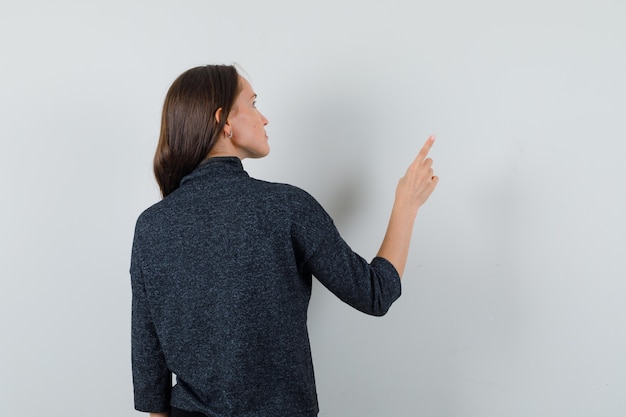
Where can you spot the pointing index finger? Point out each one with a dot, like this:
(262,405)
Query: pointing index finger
(425,149)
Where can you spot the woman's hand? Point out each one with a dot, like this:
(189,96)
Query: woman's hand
(418,182)
(412,191)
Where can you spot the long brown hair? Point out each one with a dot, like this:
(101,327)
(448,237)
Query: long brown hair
(189,128)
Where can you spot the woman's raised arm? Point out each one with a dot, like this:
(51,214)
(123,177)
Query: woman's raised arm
(412,191)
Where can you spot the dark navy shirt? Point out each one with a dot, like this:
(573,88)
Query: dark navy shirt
(221,279)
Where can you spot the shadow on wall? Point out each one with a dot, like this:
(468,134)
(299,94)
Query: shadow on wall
(337,148)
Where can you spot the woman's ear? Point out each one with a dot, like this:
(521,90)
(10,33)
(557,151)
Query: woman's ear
(228,131)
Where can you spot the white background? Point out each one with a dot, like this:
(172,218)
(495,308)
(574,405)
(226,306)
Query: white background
(514,298)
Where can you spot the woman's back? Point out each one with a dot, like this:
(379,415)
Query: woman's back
(222,270)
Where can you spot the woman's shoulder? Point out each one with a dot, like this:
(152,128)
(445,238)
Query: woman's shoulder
(286,191)
(292,203)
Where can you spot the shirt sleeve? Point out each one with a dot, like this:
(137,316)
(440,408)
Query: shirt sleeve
(370,287)
(152,380)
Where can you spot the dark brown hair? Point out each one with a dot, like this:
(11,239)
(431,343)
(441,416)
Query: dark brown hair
(189,128)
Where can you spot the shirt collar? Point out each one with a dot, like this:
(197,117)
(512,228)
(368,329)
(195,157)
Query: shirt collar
(217,167)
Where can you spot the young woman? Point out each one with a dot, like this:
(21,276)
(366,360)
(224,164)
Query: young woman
(221,267)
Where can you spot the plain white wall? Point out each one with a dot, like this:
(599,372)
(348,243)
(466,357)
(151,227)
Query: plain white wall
(513,301)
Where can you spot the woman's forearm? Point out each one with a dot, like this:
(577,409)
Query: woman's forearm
(413,190)
(395,245)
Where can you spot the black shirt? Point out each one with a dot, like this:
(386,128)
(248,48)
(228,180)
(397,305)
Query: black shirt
(221,278)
